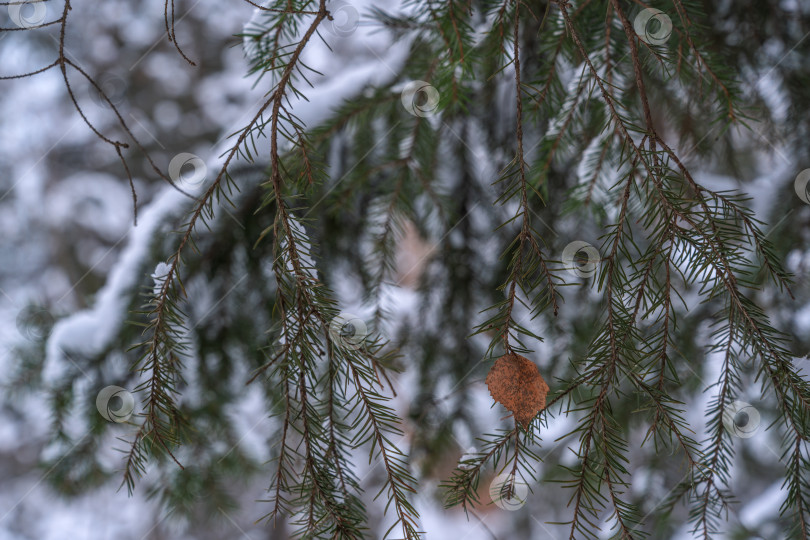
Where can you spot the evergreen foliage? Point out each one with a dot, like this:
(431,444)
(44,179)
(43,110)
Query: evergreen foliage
(554,122)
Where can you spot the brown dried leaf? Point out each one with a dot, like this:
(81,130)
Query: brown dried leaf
(515,382)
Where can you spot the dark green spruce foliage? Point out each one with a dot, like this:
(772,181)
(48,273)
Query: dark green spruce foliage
(582,125)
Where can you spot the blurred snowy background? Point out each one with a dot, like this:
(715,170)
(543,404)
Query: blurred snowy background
(70,256)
